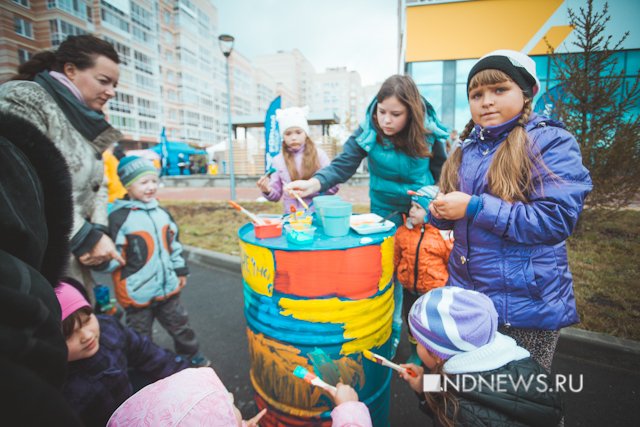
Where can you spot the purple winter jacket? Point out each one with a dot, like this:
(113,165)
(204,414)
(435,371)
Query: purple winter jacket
(280,178)
(515,253)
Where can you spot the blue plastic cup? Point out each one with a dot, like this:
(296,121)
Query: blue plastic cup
(320,201)
(336,218)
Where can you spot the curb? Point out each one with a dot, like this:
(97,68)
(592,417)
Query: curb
(577,343)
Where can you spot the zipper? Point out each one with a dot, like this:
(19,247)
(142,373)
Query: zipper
(415,267)
(159,246)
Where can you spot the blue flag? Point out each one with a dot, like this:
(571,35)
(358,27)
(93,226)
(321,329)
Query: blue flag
(271,134)
(164,152)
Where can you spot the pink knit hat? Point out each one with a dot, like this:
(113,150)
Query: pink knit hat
(193,397)
(70,299)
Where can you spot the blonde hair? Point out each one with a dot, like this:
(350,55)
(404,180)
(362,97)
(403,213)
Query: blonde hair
(512,170)
(310,161)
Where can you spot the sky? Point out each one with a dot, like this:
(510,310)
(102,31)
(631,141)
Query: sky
(361,35)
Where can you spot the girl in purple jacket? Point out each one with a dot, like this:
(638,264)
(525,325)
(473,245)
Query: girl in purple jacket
(513,193)
(298,159)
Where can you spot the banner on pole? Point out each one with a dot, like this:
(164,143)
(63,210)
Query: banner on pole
(271,133)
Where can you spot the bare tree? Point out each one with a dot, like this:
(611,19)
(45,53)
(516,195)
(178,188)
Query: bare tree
(596,102)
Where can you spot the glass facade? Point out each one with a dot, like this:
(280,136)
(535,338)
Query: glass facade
(444,83)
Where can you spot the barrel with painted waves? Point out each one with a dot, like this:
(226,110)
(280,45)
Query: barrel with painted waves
(318,307)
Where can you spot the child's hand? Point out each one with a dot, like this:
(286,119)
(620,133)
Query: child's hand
(253,422)
(264,184)
(344,393)
(182,281)
(304,188)
(451,206)
(414,382)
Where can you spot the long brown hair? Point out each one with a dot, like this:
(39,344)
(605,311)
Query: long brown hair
(411,139)
(513,167)
(310,161)
(443,404)
(80,51)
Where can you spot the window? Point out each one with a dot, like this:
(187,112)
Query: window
(23,56)
(143,63)
(23,27)
(124,52)
(24,3)
(114,17)
(60,30)
(78,8)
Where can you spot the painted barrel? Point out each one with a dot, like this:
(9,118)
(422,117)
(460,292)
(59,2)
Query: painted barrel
(319,307)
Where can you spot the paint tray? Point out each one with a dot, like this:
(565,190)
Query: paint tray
(302,237)
(272,228)
(369,224)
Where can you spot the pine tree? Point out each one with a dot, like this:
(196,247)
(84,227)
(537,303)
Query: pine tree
(596,103)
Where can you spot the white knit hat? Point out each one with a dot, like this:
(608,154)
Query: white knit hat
(520,67)
(293,117)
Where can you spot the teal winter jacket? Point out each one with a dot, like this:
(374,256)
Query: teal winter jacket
(147,238)
(391,171)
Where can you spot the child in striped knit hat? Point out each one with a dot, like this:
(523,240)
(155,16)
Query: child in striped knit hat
(484,377)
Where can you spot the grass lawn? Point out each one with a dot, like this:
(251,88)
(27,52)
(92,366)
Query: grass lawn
(604,256)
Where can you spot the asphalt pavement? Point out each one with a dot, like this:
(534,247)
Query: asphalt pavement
(608,394)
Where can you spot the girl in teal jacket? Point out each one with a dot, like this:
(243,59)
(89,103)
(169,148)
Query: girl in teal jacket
(404,143)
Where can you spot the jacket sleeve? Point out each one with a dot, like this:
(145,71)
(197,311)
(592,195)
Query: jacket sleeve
(552,213)
(29,103)
(351,414)
(344,166)
(438,159)
(149,358)
(442,224)
(276,187)
(324,162)
(116,233)
(177,260)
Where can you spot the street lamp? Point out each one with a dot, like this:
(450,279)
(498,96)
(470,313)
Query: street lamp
(226,46)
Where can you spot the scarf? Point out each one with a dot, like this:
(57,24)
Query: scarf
(88,122)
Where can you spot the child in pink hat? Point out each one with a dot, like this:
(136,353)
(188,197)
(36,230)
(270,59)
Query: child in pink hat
(100,353)
(197,397)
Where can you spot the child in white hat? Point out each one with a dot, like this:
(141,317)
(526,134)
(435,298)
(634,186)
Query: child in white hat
(298,159)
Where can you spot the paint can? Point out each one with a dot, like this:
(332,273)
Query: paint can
(319,307)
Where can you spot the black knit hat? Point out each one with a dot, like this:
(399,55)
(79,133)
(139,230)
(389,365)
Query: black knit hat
(518,66)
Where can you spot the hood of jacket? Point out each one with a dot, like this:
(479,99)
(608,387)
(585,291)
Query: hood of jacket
(367,138)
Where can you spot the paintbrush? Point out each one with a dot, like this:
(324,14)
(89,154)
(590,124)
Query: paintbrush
(383,220)
(253,216)
(386,362)
(313,379)
(270,172)
(297,196)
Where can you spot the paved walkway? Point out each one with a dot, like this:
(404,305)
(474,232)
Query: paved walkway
(353,194)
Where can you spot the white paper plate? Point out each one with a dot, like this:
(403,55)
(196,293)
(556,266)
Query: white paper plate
(369,224)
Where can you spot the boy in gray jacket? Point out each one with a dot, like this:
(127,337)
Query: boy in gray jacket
(148,285)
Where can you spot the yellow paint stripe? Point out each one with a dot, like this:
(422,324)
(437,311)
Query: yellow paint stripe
(367,322)
(386,250)
(471,29)
(554,36)
(258,268)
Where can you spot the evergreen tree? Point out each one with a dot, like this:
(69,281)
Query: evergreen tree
(596,102)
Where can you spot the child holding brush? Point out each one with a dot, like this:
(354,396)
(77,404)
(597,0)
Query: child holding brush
(456,331)
(298,159)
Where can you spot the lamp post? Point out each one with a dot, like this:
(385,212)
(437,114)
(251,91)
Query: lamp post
(226,46)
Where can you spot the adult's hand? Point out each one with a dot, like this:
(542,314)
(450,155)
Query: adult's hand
(451,206)
(304,188)
(103,251)
(264,184)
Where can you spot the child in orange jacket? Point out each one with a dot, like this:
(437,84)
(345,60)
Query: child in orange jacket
(421,255)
